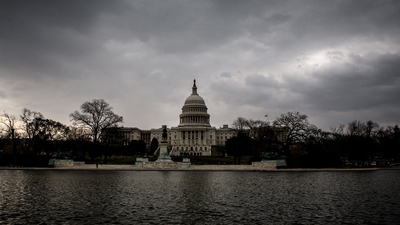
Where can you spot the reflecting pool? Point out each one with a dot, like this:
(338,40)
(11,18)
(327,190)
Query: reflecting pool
(199,197)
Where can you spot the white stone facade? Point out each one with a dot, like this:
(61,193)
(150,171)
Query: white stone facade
(193,136)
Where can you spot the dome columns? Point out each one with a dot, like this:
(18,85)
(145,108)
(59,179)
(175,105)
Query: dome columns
(194,111)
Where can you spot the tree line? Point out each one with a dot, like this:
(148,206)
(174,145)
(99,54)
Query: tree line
(32,139)
(305,145)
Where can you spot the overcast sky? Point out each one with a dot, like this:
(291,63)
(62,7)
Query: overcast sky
(335,61)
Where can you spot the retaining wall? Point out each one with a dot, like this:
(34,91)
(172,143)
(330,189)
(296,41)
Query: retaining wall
(258,166)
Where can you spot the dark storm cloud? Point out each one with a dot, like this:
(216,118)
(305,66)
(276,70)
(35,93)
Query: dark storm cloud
(256,90)
(41,36)
(340,57)
(365,83)
(331,24)
(359,84)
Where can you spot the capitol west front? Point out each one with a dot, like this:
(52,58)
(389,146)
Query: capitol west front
(193,136)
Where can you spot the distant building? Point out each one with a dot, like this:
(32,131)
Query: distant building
(193,136)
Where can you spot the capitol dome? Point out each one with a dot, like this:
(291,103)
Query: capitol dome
(194,111)
(194,98)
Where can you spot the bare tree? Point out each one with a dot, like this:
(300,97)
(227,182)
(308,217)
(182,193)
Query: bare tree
(45,134)
(27,118)
(249,126)
(47,129)
(317,135)
(356,128)
(76,133)
(9,122)
(337,132)
(240,125)
(97,116)
(256,128)
(296,127)
(371,129)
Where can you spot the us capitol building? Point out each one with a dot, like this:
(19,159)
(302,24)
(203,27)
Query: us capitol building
(193,136)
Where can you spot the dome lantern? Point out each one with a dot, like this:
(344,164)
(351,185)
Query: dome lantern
(194,111)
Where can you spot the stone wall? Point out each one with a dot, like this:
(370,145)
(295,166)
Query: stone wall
(67,163)
(254,166)
(63,163)
(162,165)
(266,165)
(79,163)
(146,165)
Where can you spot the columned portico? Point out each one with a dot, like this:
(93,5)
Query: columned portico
(194,134)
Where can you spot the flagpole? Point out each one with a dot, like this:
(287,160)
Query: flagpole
(267,118)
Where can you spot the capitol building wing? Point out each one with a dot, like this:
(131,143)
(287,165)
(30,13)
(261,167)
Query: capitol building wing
(193,136)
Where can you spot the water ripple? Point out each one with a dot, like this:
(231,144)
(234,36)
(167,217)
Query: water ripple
(177,197)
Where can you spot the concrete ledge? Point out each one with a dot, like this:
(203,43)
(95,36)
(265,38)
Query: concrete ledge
(258,166)
(265,165)
(162,165)
(154,165)
(104,167)
(79,163)
(63,163)
(196,168)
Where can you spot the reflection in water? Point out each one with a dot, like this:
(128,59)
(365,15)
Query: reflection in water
(195,197)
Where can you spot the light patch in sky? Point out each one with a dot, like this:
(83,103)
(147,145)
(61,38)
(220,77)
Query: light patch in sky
(334,61)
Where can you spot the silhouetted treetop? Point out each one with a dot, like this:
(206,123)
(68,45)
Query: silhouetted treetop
(97,116)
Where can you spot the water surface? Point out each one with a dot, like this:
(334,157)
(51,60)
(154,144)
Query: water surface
(199,197)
